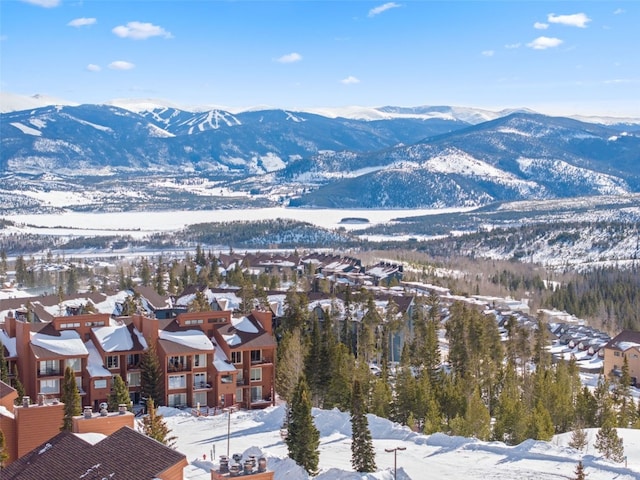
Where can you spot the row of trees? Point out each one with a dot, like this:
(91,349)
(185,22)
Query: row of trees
(492,390)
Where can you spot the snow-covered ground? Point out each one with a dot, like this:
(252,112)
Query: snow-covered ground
(436,457)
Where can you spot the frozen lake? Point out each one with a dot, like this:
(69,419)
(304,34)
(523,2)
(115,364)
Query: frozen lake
(79,223)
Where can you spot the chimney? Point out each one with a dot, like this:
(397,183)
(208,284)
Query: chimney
(262,465)
(26,401)
(40,399)
(122,408)
(224,464)
(234,470)
(87,412)
(248,467)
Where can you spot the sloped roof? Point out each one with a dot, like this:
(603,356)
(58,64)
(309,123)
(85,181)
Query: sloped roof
(117,456)
(624,340)
(246,332)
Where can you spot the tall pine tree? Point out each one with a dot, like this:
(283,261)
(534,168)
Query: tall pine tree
(154,426)
(119,395)
(151,375)
(363,456)
(303,438)
(70,397)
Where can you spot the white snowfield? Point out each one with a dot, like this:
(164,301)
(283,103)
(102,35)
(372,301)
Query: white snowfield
(433,457)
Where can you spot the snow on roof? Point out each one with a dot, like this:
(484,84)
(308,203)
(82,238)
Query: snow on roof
(185,299)
(91,437)
(627,345)
(244,325)
(114,338)
(9,343)
(221,362)
(195,339)
(95,364)
(141,339)
(68,343)
(232,340)
(109,305)
(5,413)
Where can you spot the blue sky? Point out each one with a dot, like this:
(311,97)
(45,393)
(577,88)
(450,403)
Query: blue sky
(573,57)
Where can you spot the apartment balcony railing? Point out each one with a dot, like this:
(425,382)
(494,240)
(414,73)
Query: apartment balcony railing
(49,372)
(179,367)
(201,386)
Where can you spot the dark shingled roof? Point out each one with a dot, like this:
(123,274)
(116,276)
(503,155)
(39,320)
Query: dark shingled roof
(626,336)
(125,454)
(261,339)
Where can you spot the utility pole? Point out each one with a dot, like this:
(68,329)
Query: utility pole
(395,458)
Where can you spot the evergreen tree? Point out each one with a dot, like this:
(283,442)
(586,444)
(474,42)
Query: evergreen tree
(476,421)
(72,281)
(151,375)
(3,450)
(17,384)
(159,278)
(381,398)
(119,395)
(70,397)
(290,361)
(342,367)
(580,473)
(540,423)
(200,303)
(145,272)
(154,426)
(303,438)
(578,437)
(362,452)
(4,366)
(608,443)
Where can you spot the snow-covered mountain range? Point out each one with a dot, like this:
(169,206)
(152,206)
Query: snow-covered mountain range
(385,157)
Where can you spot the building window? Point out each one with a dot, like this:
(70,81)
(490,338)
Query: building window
(100,384)
(79,384)
(65,326)
(133,379)
(256,356)
(74,363)
(256,394)
(199,360)
(94,324)
(236,357)
(51,385)
(194,322)
(133,360)
(226,378)
(200,398)
(112,361)
(200,380)
(256,374)
(238,395)
(177,382)
(240,377)
(616,354)
(177,399)
(177,363)
(49,367)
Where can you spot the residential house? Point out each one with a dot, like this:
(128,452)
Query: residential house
(625,345)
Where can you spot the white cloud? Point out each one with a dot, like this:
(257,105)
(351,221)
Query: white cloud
(43,3)
(350,80)
(121,65)
(540,26)
(140,31)
(542,43)
(290,58)
(383,8)
(92,67)
(488,53)
(81,22)
(579,20)
(513,45)
(618,11)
